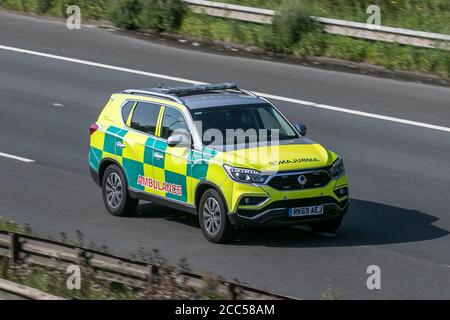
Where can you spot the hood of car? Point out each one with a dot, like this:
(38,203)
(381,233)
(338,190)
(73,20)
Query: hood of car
(279,157)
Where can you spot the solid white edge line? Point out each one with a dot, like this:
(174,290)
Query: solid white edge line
(10,156)
(265,95)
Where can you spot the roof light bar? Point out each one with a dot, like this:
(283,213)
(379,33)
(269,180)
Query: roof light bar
(200,88)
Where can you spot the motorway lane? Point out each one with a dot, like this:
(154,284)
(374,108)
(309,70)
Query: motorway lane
(400,178)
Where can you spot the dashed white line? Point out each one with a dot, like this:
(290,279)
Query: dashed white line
(10,156)
(265,95)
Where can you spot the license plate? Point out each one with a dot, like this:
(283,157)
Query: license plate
(305,211)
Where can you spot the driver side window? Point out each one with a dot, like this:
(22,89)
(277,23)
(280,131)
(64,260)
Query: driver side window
(173,120)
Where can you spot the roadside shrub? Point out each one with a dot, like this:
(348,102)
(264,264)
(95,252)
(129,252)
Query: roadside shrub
(290,25)
(44,5)
(20,5)
(125,13)
(163,15)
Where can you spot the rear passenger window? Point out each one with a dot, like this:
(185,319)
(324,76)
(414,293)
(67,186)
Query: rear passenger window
(126,110)
(145,117)
(173,120)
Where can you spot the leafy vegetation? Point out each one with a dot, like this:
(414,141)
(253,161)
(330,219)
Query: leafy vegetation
(429,15)
(314,42)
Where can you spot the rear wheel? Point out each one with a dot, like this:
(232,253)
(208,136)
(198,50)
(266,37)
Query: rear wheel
(213,218)
(117,200)
(327,226)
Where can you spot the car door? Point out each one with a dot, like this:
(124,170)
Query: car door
(172,164)
(137,146)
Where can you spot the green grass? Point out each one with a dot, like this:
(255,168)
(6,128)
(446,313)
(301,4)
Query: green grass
(54,282)
(426,15)
(10,226)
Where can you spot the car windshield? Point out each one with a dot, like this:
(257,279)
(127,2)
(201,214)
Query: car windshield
(231,125)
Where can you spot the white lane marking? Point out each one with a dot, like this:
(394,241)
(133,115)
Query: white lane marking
(265,95)
(356,112)
(10,156)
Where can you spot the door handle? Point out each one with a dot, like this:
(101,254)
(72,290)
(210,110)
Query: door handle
(158,155)
(120,145)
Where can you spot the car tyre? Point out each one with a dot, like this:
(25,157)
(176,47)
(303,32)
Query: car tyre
(116,197)
(327,226)
(213,218)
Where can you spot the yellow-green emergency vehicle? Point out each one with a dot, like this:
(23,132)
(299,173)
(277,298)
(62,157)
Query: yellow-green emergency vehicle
(217,151)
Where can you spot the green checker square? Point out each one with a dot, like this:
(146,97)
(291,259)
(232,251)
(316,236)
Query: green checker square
(122,133)
(95,156)
(113,130)
(199,170)
(148,152)
(109,145)
(198,166)
(209,153)
(179,179)
(160,147)
(132,170)
(119,138)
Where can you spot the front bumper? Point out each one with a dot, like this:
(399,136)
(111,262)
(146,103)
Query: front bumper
(277,212)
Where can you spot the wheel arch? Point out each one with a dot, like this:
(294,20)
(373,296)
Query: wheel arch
(201,189)
(105,163)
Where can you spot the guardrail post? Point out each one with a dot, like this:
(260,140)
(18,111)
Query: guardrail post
(14,248)
(154,273)
(235,292)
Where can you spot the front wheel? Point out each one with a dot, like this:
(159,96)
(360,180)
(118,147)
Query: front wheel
(117,200)
(213,218)
(327,226)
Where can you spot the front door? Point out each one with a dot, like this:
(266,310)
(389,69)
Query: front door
(171,164)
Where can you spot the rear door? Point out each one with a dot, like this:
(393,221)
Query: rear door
(137,145)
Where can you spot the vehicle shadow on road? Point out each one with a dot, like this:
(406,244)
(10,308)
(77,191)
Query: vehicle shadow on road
(366,223)
(153,211)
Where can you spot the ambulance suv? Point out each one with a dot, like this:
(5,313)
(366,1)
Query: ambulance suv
(217,151)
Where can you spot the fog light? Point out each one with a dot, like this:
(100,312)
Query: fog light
(252,201)
(341,192)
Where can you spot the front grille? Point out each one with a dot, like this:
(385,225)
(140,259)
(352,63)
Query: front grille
(295,203)
(314,179)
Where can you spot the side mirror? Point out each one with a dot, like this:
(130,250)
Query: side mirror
(301,128)
(178,141)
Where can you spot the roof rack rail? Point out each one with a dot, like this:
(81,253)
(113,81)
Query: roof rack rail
(154,93)
(175,93)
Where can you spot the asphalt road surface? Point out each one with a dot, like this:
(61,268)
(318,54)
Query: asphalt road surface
(399,173)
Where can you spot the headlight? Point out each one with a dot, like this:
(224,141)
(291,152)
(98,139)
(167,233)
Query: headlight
(337,169)
(244,175)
